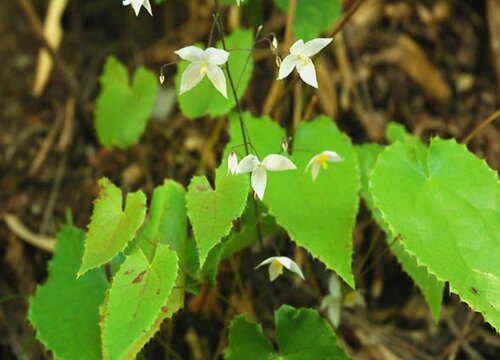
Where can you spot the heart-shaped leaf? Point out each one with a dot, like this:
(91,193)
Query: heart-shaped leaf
(431,287)
(300,334)
(137,296)
(65,310)
(319,215)
(212,211)
(446,206)
(111,227)
(122,111)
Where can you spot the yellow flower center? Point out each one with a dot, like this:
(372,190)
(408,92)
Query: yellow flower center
(203,69)
(279,266)
(322,160)
(304,59)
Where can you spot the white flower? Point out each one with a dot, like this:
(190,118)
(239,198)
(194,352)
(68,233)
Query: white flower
(299,58)
(203,62)
(137,4)
(332,303)
(321,160)
(273,162)
(276,266)
(232,163)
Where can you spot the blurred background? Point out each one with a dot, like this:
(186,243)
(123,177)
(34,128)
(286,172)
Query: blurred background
(433,66)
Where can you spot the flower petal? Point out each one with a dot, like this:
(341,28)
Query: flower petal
(190,77)
(247,164)
(190,53)
(275,270)
(334,287)
(147,6)
(267,261)
(293,267)
(308,73)
(126,2)
(332,156)
(315,171)
(259,181)
(313,159)
(334,314)
(297,47)
(274,162)
(136,5)
(287,66)
(216,76)
(314,46)
(232,163)
(216,56)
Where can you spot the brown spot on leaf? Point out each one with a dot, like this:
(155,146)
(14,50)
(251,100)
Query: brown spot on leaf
(164,309)
(138,278)
(158,292)
(202,188)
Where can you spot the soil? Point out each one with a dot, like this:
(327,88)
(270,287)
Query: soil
(430,65)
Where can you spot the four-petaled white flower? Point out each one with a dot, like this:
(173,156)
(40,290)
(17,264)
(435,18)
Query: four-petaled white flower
(272,162)
(232,163)
(332,302)
(299,58)
(321,160)
(137,4)
(203,62)
(276,266)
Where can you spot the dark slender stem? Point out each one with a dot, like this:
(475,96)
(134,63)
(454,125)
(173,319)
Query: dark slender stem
(486,122)
(244,132)
(339,26)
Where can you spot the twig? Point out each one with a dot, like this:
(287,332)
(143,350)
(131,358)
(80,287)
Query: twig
(18,228)
(37,28)
(478,128)
(339,26)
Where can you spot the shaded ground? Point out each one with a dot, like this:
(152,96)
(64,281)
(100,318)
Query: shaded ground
(426,64)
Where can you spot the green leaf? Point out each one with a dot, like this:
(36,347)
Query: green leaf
(367,156)
(65,310)
(312,17)
(204,99)
(448,213)
(247,342)
(168,225)
(301,334)
(318,215)
(111,227)
(212,211)
(167,222)
(122,110)
(431,287)
(137,296)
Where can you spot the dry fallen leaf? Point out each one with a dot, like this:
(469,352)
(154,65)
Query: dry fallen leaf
(53,32)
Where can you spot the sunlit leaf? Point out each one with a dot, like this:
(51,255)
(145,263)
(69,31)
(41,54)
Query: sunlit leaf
(431,287)
(111,227)
(319,215)
(212,211)
(65,310)
(447,210)
(137,296)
